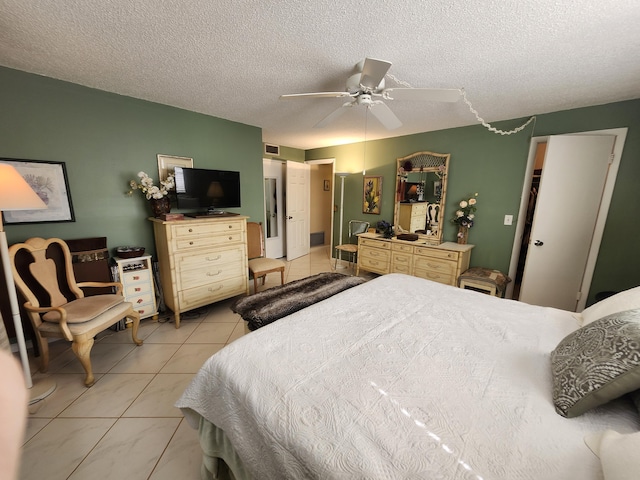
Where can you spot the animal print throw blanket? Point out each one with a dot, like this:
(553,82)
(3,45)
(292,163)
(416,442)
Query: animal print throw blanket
(274,303)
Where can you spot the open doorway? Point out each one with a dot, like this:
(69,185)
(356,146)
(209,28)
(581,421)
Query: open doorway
(541,148)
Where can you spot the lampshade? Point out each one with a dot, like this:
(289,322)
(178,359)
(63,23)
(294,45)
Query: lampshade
(15,192)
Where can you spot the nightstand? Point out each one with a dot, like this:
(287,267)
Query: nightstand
(136,276)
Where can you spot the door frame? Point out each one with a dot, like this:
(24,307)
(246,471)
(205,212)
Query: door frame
(618,146)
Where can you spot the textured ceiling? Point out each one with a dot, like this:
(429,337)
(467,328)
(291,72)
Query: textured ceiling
(233,58)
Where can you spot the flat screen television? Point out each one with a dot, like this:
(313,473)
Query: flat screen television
(208,190)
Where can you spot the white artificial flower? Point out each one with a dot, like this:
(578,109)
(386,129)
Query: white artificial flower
(472,201)
(470,216)
(459,213)
(463,204)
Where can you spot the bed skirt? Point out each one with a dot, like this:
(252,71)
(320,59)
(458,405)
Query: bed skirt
(219,459)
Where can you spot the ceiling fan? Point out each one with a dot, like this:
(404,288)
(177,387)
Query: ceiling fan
(367,84)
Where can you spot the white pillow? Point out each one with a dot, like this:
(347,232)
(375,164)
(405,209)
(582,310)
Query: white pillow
(619,302)
(618,453)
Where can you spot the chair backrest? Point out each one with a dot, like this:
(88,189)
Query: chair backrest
(433,213)
(43,273)
(255,240)
(356,227)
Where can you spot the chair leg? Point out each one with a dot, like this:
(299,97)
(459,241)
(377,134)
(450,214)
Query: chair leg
(135,323)
(43,346)
(82,349)
(282,277)
(255,284)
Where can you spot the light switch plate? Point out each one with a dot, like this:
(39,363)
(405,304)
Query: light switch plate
(508,219)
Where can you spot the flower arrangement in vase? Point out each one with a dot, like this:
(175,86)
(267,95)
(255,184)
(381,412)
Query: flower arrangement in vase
(464,217)
(157,195)
(385,228)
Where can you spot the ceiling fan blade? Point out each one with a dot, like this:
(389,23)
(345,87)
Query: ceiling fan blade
(332,116)
(317,95)
(383,113)
(423,94)
(373,71)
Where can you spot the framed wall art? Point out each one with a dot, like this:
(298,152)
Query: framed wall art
(372,194)
(167,163)
(49,181)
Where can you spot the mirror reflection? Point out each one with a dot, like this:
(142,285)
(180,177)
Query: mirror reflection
(420,194)
(271,207)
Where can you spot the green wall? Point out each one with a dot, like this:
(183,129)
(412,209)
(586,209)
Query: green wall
(494,166)
(105,140)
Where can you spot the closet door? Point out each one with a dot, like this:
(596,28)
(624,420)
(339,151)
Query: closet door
(571,187)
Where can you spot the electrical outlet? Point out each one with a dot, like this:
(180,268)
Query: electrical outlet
(508,219)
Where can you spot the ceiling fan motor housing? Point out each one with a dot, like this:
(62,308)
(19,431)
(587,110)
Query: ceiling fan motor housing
(354,86)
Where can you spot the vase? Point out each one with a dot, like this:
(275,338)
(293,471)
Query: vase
(463,235)
(160,206)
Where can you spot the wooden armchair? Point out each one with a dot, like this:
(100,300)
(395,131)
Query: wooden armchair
(56,305)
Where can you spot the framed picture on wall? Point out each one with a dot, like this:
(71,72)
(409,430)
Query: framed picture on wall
(167,164)
(49,181)
(372,194)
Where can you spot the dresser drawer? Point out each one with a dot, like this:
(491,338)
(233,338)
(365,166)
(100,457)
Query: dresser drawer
(379,244)
(435,265)
(196,277)
(210,258)
(435,276)
(137,276)
(401,262)
(145,310)
(204,295)
(213,228)
(142,298)
(185,243)
(136,289)
(419,210)
(437,253)
(402,247)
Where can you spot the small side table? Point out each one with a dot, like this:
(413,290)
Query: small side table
(136,276)
(492,282)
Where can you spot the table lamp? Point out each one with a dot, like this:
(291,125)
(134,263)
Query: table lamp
(16,194)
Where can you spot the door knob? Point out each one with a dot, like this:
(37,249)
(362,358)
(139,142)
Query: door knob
(289,218)
(538,243)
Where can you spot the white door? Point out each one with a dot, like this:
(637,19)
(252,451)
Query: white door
(297,214)
(273,208)
(571,187)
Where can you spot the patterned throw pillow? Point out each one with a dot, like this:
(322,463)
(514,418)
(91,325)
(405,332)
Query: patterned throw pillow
(597,363)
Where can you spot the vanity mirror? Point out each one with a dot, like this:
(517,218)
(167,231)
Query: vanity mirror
(421,190)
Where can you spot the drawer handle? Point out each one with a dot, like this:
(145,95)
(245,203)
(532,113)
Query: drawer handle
(230,226)
(137,289)
(190,243)
(373,262)
(209,274)
(211,289)
(230,238)
(434,266)
(191,230)
(140,300)
(136,277)
(209,259)
(141,311)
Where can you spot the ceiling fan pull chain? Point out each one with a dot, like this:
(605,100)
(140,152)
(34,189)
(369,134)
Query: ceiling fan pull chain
(472,110)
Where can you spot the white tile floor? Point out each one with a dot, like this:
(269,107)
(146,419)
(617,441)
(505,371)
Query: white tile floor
(125,426)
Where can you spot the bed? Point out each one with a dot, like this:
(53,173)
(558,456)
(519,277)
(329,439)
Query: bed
(399,378)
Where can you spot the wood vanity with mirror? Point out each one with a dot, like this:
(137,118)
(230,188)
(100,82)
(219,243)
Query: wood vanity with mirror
(421,188)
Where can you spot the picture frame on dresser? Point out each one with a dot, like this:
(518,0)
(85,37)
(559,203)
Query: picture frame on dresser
(168,163)
(49,180)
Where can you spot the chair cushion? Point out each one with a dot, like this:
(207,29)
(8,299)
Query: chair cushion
(347,247)
(257,265)
(85,309)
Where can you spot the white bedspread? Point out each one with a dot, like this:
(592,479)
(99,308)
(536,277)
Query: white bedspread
(401,378)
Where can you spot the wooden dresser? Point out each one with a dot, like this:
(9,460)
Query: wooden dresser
(441,263)
(201,261)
